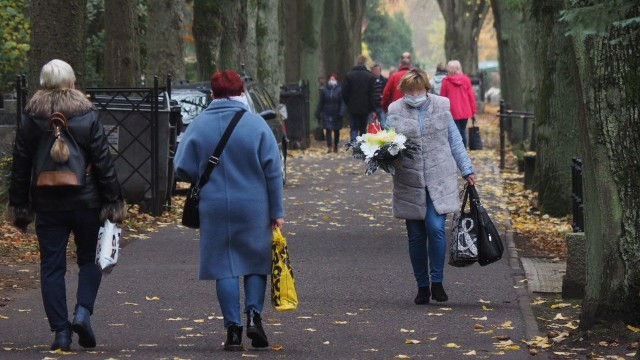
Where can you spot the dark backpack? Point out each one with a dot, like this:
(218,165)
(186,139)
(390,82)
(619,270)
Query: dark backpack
(64,164)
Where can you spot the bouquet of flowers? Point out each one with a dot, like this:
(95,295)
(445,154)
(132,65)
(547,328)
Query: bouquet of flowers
(381,149)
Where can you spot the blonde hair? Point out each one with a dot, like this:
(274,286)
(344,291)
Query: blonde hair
(414,79)
(454,67)
(57,74)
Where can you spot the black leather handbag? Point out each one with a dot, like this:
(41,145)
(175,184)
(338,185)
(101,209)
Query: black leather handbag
(464,240)
(191,211)
(475,141)
(490,246)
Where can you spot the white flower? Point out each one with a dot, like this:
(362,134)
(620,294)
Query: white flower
(368,150)
(394,150)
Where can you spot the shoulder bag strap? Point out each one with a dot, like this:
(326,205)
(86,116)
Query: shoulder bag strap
(215,157)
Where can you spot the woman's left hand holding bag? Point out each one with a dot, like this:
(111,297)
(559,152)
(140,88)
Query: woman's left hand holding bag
(471,179)
(277,223)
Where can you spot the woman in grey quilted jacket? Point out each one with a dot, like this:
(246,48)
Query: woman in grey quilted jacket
(425,188)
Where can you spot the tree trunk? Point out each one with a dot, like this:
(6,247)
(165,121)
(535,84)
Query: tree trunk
(609,83)
(463,24)
(513,28)
(341,35)
(51,40)
(234,26)
(207,30)
(289,13)
(122,47)
(269,48)
(556,109)
(165,43)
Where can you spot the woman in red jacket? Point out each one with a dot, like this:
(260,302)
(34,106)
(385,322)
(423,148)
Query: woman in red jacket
(457,87)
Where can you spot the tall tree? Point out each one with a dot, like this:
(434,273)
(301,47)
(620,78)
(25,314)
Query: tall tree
(607,68)
(165,42)
(122,45)
(556,107)
(62,39)
(513,29)
(341,37)
(463,24)
(386,36)
(270,67)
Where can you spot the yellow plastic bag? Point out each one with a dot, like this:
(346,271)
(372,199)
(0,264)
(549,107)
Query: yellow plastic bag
(283,286)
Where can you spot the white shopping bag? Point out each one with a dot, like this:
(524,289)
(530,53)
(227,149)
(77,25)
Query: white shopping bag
(108,246)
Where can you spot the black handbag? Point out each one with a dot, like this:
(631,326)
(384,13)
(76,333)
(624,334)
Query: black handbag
(191,212)
(490,246)
(318,133)
(463,250)
(475,141)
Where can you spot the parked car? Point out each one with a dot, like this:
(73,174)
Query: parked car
(195,98)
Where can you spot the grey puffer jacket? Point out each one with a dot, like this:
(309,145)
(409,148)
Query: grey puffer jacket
(435,166)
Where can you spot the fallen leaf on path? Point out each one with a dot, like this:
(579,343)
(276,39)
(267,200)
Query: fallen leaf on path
(304,317)
(560,306)
(326,342)
(559,316)
(176,319)
(249,355)
(432,338)
(484,301)
(199,321)
(470,353)
(484,318)
(633,328)
(507,325)
(502,337)
(403,356)
(486,332)
(310,329)
(412,341)
(352,314)
(62,352)
(277,347)
(340,322)
(538,301)
(130,303)
(186,328)
(147,345)
(435,314)
(452,345)
(371,350)
(485,308)
(406,330)
(152,298)
(3,317)
(446,309)
(478,327)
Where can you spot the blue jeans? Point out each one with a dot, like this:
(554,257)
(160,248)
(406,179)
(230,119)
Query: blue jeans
(53,229)
(358,123)
(462,127)
(382,117)
(228,291)
(427,246)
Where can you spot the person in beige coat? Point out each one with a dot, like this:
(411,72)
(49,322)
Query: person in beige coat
(425,188)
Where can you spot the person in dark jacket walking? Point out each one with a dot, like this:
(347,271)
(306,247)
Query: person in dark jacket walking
(331,111)
(379,82)
(357,92)
(60,210)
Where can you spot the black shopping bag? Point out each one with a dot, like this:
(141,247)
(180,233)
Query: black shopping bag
(318,134)
(475,141)
(490,246)
(464,241)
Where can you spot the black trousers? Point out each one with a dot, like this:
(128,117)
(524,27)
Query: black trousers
(336,136)
(53,230)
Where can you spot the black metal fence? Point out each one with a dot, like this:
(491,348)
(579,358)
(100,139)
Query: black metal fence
(141,128)
(577,194)
(296,98)
(506,116)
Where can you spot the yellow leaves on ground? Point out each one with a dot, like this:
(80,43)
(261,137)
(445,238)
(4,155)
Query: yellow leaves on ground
(3,317)
(277,347)
(507,345)
(412,341)
(538,301)
(470,353)
(560,306)
(401,356)
(452,345)
(633,328)
(406,330)
(484,318)
(152,298)
(340,322)
(484,301)
(485,308)
(559,316)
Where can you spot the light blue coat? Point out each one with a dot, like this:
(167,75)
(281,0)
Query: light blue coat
(243,194)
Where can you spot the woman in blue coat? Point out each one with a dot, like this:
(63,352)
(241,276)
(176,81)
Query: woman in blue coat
(239,206)
(331,111)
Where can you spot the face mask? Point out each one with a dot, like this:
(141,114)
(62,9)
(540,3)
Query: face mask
(415,101)
(333,83)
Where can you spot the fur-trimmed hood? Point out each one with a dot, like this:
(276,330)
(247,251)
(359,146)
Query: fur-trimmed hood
(70,102)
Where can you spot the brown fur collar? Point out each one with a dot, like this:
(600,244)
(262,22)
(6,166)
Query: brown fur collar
(70,102)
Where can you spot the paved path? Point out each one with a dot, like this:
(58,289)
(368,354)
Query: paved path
(354,280)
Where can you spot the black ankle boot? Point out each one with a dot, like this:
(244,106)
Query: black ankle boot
(62,340)
(437,292)
(423,296)
(255,332)
(82,326)
(234,339)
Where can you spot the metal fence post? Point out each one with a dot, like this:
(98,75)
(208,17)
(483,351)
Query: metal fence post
(502,140)
(156,202)
(577,195)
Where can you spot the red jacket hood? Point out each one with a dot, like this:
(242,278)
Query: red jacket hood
(457,80)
